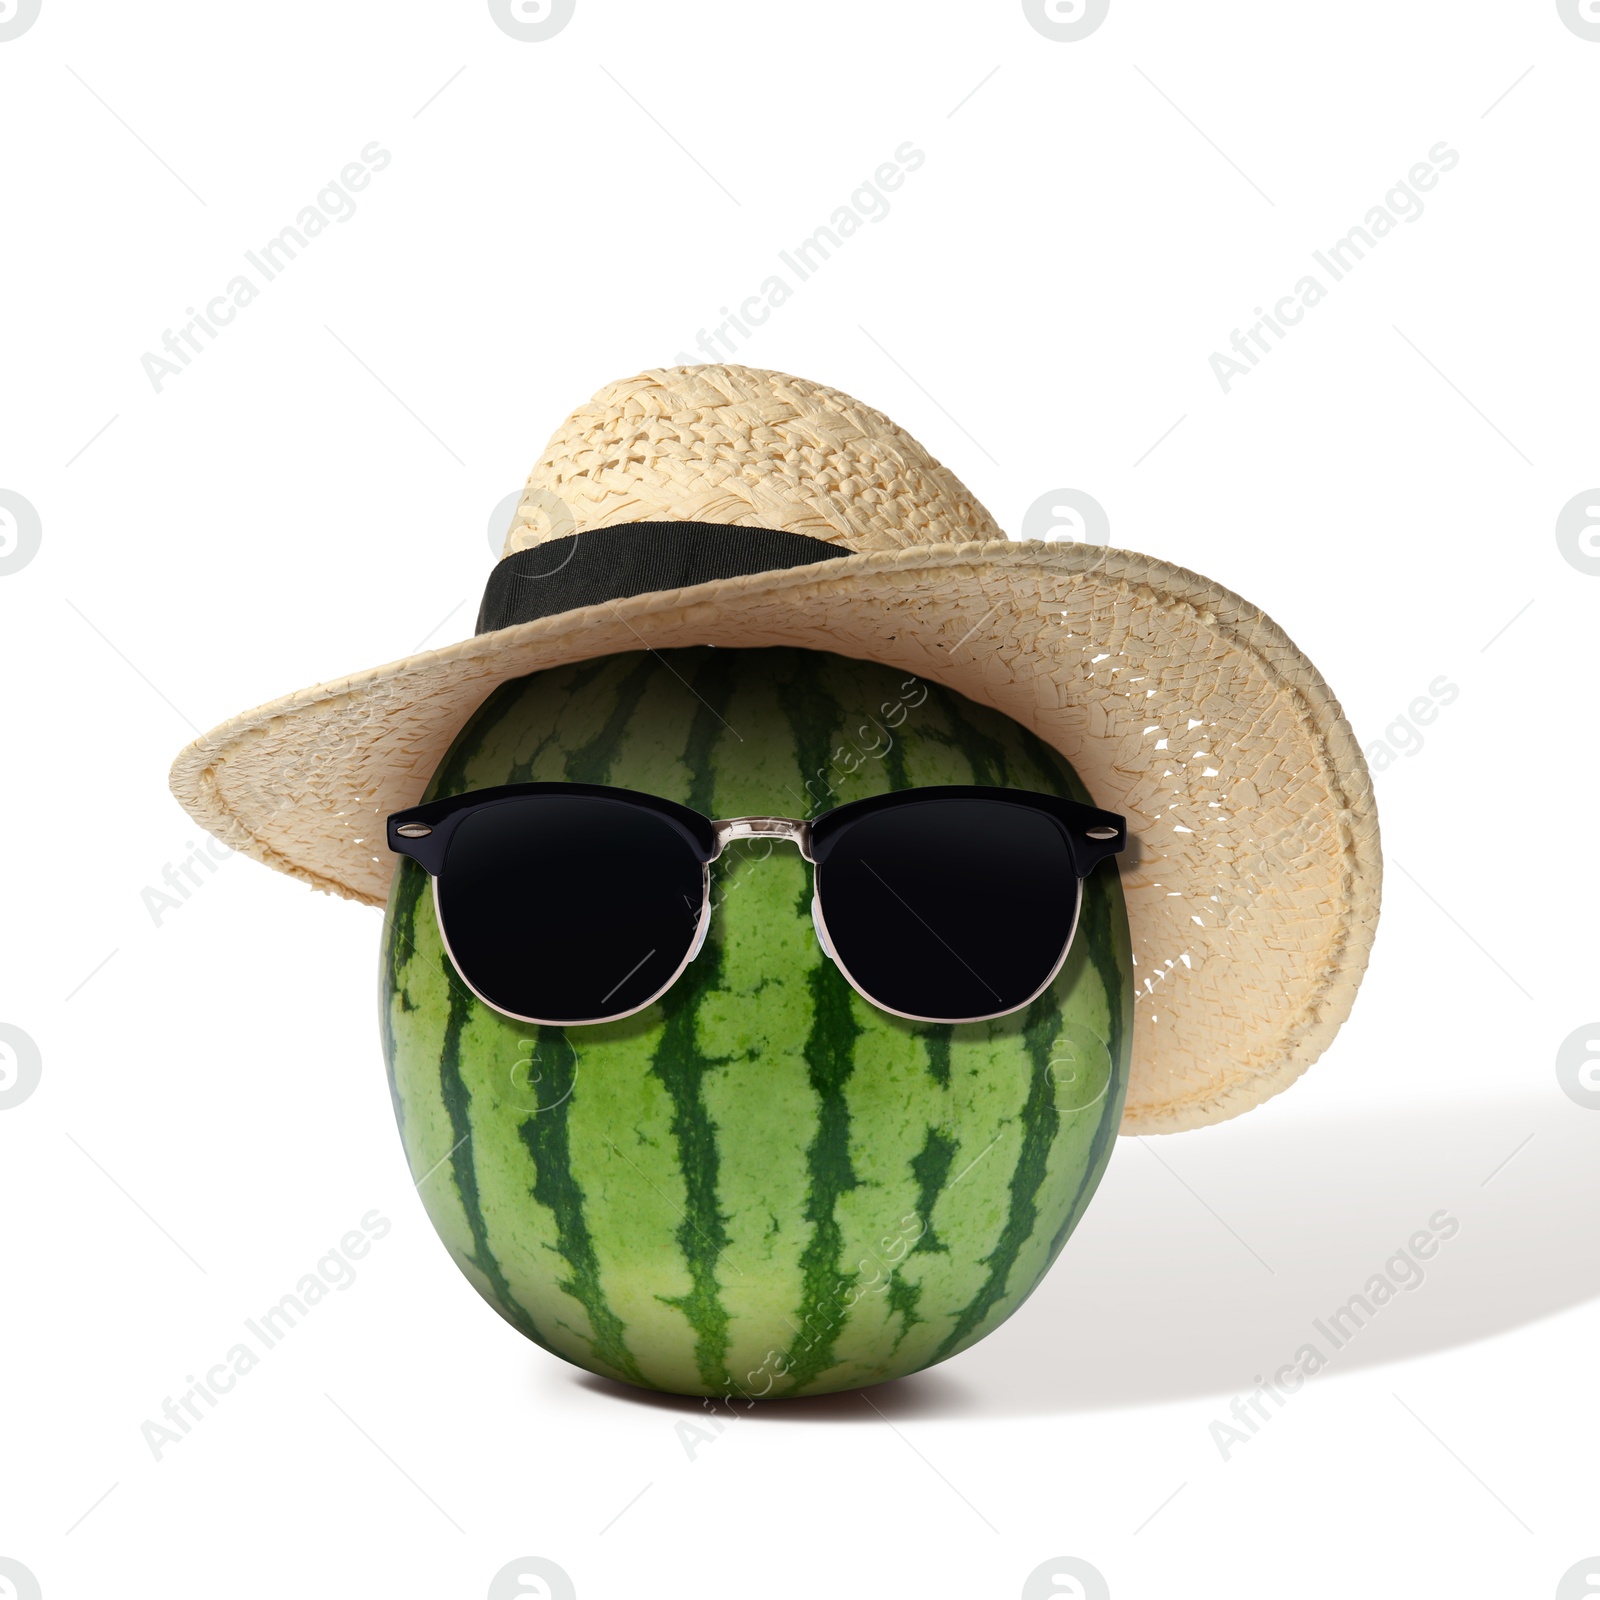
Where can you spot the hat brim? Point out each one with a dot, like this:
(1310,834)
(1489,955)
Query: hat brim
(1253,874)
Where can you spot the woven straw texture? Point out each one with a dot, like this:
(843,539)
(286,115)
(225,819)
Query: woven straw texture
(1253,868)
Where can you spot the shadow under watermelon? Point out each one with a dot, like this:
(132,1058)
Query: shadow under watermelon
(1214,1257)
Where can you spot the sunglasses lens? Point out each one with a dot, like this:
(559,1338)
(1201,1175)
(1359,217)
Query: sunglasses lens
(949,910)
(568,908)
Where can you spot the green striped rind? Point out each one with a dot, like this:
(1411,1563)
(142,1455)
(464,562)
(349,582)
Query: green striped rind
(761,1184)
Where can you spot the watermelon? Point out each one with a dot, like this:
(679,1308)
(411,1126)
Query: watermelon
(761,1185)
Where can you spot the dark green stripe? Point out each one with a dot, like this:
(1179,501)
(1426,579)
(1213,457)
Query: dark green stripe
(829,1057)
(813,716)
(411,886)
(522,771)
(1040,1122)
(457,1100)
(894,758)
(1105,1136)
(987,755)
(546,1136)
(936,1036)
(1097,938)
(702,1235)
(581,675)
(405,895)
(829,1054)
(931,1168)
(903,1298)
(591,763)
(712,676)
(682,1066)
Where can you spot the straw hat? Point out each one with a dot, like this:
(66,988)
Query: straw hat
(1253,869)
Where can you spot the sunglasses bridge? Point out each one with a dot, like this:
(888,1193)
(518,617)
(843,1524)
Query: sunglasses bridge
(797,833)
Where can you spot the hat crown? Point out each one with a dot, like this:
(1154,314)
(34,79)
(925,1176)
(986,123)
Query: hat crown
(745,447)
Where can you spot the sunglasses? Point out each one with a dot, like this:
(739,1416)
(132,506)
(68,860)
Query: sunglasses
(572,903)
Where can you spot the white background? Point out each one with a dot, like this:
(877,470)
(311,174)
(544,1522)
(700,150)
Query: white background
(312,495)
